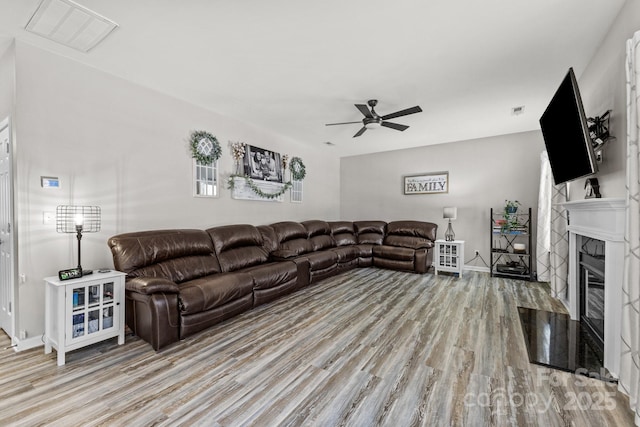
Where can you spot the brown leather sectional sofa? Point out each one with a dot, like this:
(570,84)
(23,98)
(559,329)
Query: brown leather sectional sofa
(180,282)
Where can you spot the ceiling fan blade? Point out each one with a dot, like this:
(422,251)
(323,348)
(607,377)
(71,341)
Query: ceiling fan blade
(344,123)
(406,112)
(395,126)
(364,110)
(360,132)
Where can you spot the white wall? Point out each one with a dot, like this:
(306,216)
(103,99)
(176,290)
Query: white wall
(125,148)
(482,174)
(7,81)
(602,86)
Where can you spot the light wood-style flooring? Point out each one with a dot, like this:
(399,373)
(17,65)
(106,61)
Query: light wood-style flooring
(366,348)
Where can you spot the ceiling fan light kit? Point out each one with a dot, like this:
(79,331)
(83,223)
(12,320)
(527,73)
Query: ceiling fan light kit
(373,121)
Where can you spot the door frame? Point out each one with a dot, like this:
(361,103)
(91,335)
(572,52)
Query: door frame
(13,291)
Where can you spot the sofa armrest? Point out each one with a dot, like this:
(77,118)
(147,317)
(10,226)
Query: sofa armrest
(151,285)
(422,260)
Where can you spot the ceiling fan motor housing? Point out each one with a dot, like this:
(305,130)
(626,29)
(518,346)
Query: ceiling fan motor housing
(372,123)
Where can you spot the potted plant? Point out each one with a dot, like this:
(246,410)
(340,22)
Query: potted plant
(510,209)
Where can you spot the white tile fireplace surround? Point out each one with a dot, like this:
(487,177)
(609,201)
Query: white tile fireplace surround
(602,219)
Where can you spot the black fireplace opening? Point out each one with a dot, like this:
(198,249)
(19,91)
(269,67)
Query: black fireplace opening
(557,341)
(591,287)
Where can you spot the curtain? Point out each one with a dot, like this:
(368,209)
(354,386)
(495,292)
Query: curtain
(630,353)
(543,246)
(553,241)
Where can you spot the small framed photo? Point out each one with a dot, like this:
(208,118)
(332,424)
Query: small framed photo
(426,183)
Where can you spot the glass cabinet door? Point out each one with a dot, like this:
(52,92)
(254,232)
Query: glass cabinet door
(92,310)
(78,299)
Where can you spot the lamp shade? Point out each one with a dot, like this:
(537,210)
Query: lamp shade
(450,213)
(78,220)
(69,217)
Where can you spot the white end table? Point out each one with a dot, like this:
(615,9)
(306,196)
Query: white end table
(83,311)
(449,256)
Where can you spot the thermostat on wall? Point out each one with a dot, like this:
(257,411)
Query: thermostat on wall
(50,182)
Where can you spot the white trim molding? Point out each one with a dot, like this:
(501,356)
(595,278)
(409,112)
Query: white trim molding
(602,219)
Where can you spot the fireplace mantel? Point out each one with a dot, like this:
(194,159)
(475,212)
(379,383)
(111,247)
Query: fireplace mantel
(602,219)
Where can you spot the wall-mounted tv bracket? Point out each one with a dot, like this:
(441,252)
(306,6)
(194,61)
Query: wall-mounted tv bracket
(599,133)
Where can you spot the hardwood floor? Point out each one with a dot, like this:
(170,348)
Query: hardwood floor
(369,347)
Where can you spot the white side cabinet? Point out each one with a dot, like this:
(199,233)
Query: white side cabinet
(83,311)
(449,256)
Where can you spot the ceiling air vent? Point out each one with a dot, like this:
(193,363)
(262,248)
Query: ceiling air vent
(516,111)
(70,24)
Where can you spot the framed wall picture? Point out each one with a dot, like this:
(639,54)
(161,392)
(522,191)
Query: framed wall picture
(262,164)
(426,183)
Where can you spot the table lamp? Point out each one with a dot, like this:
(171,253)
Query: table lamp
(78,220)
(449,213)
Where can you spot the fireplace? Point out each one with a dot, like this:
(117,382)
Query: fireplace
(591,269)
(596,262)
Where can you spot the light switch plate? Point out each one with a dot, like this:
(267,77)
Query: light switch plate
(48,217)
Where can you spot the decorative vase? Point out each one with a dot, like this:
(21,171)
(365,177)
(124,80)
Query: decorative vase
(238,168)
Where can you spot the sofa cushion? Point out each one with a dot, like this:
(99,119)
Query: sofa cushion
(291,238)
(412,242)
(269,242)
(370,232)
(177,255)
(393,252)
(319,234)
(365,250)
(272,274)
(343,233)
(346,253)
(238,246)
(316,227)
(321,260)
(213,291)
(422,229)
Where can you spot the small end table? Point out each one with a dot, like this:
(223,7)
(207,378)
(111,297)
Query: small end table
(83,311)
(449,256)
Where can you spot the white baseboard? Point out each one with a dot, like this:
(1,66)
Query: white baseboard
(28,344)
(479,269)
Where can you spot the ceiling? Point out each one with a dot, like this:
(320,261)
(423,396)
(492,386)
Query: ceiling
(292,66)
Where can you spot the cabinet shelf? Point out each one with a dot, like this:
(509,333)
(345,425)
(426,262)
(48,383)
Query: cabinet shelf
(505,234)
(509,253)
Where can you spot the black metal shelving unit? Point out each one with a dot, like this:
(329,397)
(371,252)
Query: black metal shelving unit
(505,260)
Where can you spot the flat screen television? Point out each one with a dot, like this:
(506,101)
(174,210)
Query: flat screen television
(566,134)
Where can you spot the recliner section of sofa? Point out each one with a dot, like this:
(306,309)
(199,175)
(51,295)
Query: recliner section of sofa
(241,248)
(180,282)
(346,245)
(407,245)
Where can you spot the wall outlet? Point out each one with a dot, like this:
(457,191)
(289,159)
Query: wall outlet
(23,334)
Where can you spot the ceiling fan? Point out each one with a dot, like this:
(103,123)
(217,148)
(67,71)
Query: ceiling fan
(372,120)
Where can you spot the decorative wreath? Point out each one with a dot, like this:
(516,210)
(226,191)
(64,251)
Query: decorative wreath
(298,171)
(205,148)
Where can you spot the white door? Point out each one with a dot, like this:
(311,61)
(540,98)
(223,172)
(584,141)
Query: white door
(6,231)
